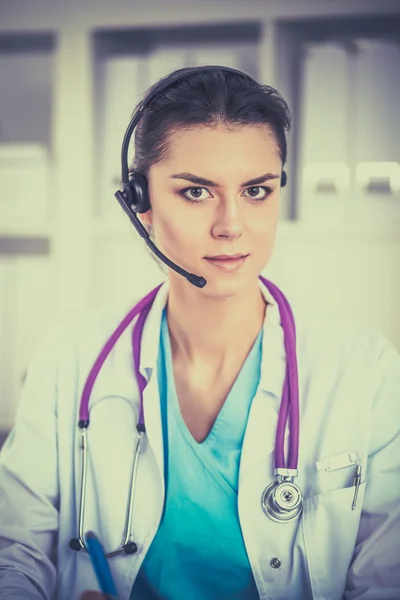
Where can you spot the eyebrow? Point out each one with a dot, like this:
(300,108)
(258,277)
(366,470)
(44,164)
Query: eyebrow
(203,181)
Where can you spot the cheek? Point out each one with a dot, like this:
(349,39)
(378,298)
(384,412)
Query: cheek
(177,231)
(264,240)
(264,227)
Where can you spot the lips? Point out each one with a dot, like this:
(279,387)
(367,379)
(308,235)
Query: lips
(226,257)
(227,264)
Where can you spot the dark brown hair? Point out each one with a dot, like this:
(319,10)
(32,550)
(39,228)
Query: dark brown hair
(207,98)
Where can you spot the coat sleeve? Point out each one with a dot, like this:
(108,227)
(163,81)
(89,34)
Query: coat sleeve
(374,573)
(29,493)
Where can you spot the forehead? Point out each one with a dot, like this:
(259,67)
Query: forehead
(245,148)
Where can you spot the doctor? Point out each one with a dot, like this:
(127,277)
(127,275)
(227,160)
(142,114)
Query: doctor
(213,363)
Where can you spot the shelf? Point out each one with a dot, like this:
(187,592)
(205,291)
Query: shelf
(17,229)
(25,239)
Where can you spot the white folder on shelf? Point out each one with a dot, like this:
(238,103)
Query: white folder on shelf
(24,183)
(325,169)
(377,128)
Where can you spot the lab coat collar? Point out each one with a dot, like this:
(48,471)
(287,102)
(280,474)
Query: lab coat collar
(151,332)
(273,362)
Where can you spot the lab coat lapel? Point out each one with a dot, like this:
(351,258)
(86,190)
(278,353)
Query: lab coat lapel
(148,367)
(259,442)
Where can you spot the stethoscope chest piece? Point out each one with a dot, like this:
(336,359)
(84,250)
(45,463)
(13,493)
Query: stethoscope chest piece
(282,501)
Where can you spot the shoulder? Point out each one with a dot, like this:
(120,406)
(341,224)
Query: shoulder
(325,337)
(336,351)
(80,337)
(356,369)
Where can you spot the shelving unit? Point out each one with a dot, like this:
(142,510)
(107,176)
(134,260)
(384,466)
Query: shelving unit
(26,208)
(100,62)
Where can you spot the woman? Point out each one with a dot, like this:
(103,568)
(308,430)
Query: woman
(212,147)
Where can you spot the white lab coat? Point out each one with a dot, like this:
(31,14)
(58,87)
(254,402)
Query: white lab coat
(349,385)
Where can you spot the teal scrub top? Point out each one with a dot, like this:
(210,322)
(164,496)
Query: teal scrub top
(198,551)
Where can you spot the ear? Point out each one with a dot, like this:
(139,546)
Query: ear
(146,218)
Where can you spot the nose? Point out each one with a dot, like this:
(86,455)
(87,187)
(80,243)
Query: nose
(227,222)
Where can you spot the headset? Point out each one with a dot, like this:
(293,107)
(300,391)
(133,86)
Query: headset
(134,196)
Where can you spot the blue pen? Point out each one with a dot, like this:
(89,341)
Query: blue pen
(100,565)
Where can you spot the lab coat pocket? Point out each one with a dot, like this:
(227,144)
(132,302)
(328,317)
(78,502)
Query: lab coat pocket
(330,527)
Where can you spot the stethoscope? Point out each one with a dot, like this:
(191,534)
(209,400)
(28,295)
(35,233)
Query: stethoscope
(281,501)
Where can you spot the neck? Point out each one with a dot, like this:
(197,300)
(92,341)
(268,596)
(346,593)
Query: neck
(213,331)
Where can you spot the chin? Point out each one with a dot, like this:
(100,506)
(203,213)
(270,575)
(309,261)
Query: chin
(229,286)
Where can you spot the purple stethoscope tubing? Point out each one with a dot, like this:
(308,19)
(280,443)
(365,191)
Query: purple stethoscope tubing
(290,393)
(140,307)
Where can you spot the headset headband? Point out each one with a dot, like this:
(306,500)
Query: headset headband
(160,87)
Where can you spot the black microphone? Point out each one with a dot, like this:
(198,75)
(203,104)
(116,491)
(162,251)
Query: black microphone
(199,282)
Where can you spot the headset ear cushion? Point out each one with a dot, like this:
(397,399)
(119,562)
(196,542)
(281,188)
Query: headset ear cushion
(139,189)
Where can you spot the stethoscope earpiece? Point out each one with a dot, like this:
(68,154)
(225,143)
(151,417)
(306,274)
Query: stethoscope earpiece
(75,544)
(130,548)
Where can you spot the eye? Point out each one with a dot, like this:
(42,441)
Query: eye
(257,192)
(194,194)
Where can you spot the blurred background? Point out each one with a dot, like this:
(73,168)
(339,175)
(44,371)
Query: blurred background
(70,76)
